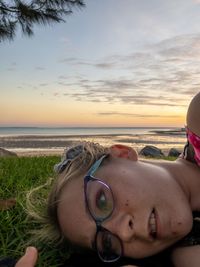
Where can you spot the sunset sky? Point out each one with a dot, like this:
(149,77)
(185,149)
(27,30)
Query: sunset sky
(113,63)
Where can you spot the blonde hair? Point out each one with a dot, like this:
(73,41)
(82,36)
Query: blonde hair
(43,209)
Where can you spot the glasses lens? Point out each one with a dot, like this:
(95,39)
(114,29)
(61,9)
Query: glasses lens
(99,199)
(108,246)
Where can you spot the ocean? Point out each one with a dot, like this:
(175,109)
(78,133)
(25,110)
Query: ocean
(46,140)
(17,131)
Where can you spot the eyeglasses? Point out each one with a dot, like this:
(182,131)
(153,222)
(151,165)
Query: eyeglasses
(100,204)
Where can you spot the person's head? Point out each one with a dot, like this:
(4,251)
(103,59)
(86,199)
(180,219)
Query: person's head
(107,199)
(192,118)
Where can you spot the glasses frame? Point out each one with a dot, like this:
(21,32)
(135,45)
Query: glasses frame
(98,221)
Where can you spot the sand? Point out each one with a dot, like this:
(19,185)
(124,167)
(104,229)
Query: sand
(34,145)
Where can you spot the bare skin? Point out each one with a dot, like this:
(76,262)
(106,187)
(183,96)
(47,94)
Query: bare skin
(185,174)
(176,182)
(29,259)
(130,219)
(193,115)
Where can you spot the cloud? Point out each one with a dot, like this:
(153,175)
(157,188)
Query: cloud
(134,115)
(169,67)
(39,68)
(80,62)
(62,77)
(196,1)
(43,84)
(104,65)
(182,47)
(12,67)
(68,60)
(151,92)
(112,92)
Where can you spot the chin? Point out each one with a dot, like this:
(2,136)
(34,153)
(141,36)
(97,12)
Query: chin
(182,228)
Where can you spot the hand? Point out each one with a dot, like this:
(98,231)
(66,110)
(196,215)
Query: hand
(29,259)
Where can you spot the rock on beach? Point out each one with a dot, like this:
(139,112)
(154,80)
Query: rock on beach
(7,153)
(173,152)
(151,151)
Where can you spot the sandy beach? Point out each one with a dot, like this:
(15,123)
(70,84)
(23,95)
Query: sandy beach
(31,145)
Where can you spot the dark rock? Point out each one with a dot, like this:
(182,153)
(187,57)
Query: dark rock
(173,152)
(151,151)
(7,153)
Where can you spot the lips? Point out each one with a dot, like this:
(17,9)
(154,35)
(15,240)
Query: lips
(153,225)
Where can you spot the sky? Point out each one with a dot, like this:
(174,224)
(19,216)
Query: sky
(130,63)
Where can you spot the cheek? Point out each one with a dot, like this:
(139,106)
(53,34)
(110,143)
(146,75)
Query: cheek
(73,220)
(182,222)
(77,228)
(127,203)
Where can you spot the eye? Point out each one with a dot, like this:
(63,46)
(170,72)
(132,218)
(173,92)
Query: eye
(101,201)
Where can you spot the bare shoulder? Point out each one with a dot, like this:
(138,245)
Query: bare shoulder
(186,256)
(193,115)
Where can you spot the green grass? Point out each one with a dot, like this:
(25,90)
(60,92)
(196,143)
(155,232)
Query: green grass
(160,158)
(17,176)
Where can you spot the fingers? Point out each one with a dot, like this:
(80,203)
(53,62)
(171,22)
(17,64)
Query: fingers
(29,259)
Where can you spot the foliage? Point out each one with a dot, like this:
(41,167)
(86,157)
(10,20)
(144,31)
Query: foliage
(26,13)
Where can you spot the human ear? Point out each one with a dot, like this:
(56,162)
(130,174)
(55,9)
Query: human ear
(122,151)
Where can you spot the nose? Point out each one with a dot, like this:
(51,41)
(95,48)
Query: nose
(122,225)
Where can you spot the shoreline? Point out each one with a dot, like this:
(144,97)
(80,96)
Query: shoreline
(37,145)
